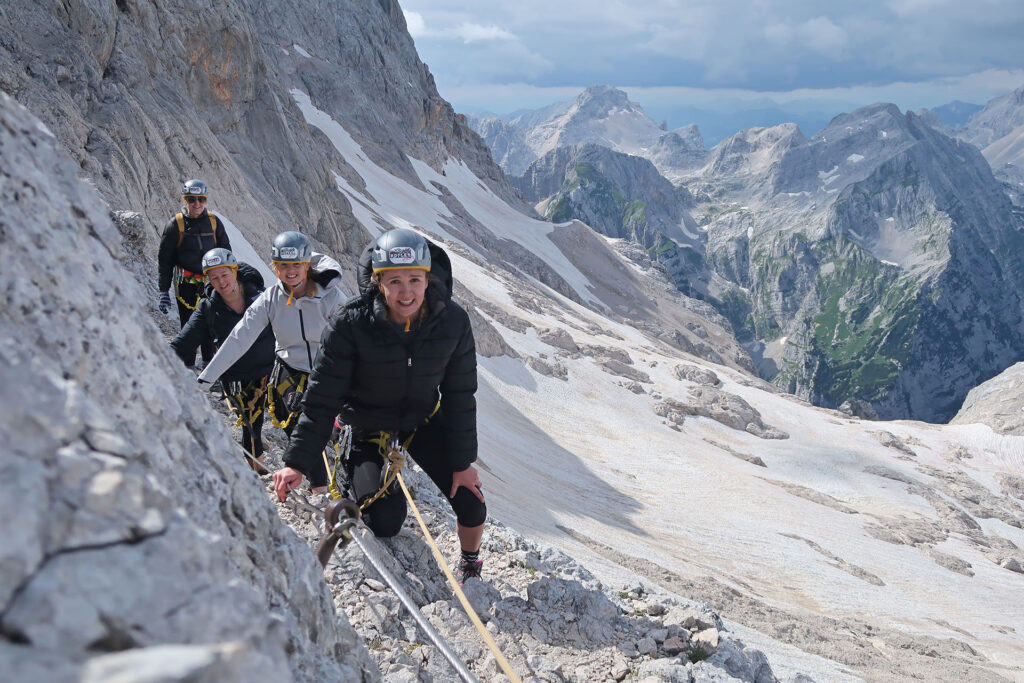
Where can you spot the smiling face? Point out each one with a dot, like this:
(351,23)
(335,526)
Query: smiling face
(195,205)
(224,280)
(292,273)
(403,290)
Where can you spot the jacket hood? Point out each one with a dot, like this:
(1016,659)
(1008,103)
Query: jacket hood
(324,270)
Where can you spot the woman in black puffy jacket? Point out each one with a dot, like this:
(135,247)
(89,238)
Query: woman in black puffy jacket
(398,360)
(231,288)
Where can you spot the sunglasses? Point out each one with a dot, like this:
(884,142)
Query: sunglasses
(194,200)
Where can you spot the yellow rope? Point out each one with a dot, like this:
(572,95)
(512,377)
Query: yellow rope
(184,303)
(498,656)
(396,461)
(192,281)
(332,472)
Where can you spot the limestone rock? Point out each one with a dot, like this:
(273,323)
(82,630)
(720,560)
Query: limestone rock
(138,524)
(999,403)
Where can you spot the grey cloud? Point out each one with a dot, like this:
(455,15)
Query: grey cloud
(759,44)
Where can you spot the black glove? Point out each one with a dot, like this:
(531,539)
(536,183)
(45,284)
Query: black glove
(164,303)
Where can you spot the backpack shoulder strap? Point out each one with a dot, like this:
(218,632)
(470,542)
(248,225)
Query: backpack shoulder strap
(180,218)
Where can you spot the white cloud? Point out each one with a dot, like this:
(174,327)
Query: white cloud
(414,20)
(823,36)
(472,33)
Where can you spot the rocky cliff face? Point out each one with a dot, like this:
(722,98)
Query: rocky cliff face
(620,196)
(144,95)
(856,265)
(997,403)
(135,537)
(507,144)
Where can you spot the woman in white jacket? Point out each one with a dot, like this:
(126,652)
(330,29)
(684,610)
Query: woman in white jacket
(297,307)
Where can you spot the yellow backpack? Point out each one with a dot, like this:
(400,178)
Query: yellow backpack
(180,218)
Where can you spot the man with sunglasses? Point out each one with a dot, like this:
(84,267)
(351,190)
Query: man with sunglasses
(187,236)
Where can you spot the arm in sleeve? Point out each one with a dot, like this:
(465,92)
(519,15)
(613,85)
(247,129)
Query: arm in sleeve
(458,400)
(166,255)
(326,391)
(246,332)
(195,332)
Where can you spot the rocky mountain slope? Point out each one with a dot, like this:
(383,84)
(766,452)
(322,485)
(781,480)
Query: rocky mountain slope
(843,550)
(602,115)
(844,262)
(997,403)
(142,548)
(998,131)
(214,102)
(869,253)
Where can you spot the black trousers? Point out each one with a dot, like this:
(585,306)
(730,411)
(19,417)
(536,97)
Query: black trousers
(192,293)
(428,448)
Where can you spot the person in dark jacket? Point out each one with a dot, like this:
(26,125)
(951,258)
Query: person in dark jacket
(186,237)
(398,360)
(232,288)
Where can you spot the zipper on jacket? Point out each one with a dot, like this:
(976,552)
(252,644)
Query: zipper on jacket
(302,330)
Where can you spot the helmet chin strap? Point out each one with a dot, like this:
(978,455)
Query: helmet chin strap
(291,290)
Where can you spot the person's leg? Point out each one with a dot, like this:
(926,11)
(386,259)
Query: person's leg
(253,398)
(385,516)
(428,449)
(258,408)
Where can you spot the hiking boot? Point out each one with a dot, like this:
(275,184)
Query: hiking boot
(257,465)
(469,570)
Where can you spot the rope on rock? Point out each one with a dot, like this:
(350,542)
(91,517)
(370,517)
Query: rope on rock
(396,456)
(343,530)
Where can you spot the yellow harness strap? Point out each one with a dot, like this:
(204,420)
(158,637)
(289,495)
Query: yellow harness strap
(280,390)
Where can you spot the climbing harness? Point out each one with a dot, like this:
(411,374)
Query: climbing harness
(234,396)
(393,452)
(394,460)
(285,393)
(341,530)
(187,277)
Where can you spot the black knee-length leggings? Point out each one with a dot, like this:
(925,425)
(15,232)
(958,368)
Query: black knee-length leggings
(428,449)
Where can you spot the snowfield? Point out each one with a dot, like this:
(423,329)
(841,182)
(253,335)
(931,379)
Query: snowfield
(863,537)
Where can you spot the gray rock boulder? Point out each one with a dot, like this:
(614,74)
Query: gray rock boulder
(134,524)
(998,403)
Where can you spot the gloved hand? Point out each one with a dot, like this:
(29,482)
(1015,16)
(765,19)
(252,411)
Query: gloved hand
(164,303)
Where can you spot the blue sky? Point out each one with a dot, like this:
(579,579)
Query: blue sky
(704,58)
